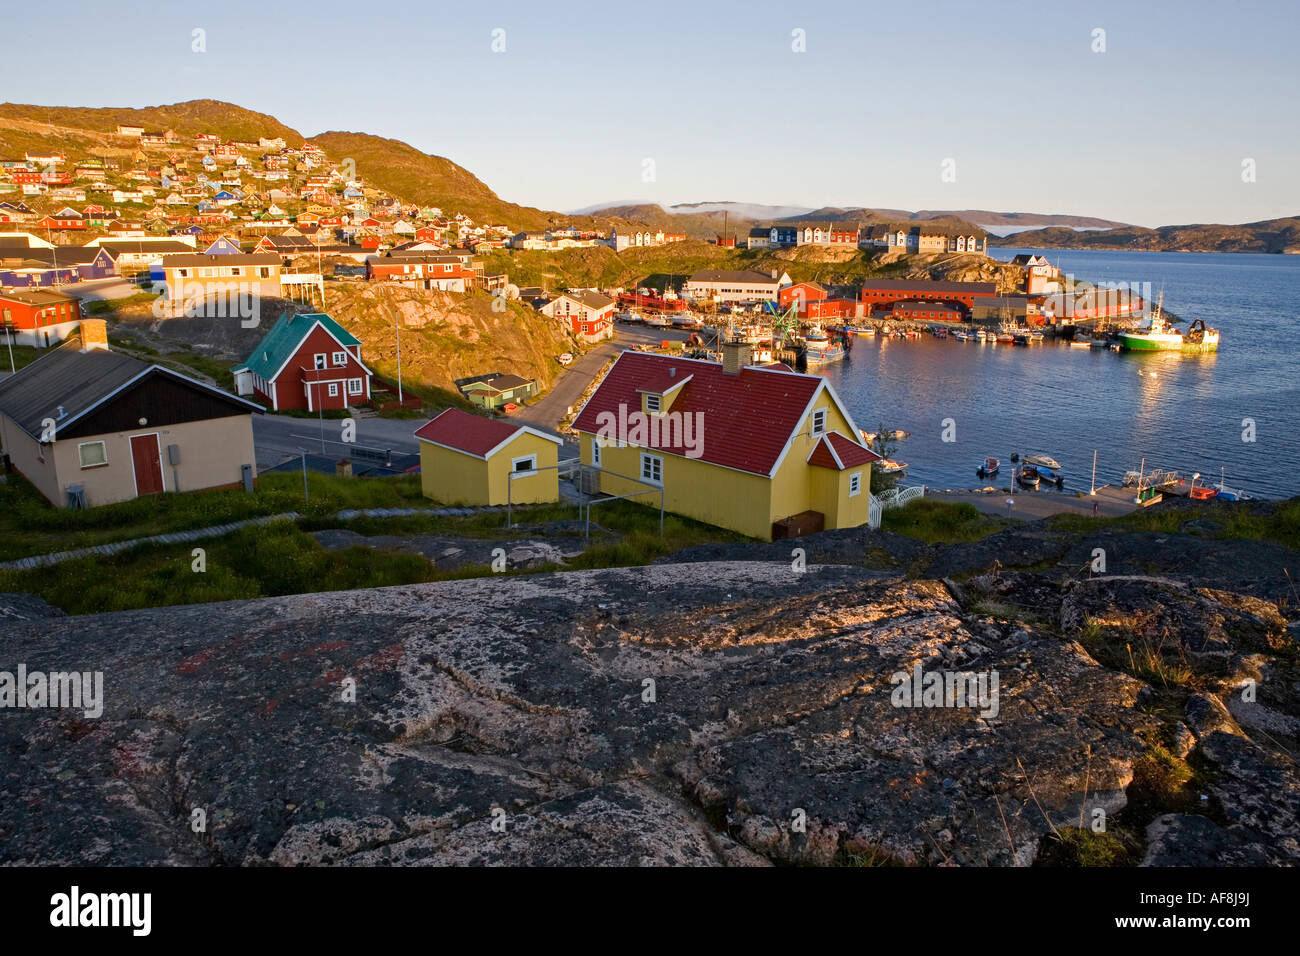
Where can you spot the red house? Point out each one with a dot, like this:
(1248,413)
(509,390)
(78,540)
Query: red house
(428,234)
(307,362)
(38,316)
(803,292)
(63,219)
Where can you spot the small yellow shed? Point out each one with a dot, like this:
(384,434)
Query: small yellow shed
(471,460)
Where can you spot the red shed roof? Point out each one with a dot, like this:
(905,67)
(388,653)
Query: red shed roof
(840,453)
(748,419)
(473,434)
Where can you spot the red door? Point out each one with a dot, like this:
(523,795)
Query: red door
(147,457)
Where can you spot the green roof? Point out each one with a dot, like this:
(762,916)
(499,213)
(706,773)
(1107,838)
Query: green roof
(284,339)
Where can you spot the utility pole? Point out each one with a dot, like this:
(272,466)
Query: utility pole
(397,325)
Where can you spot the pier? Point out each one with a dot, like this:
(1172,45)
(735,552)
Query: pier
(1112,501)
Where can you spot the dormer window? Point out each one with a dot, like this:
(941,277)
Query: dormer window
(819,422)
(653,402)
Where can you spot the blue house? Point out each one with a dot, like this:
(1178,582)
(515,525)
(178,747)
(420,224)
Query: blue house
(222,246)
(785,235)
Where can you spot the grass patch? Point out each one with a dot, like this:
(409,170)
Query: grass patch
(1071,846)
(1157,659)
(31,525)
(216,369)
(23,355)
(940,522)
(1274,521)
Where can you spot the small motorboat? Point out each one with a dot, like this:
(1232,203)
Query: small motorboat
(989,468)
(890,467)
(1045,462)
(897,435)
(981,334)
(1028,476)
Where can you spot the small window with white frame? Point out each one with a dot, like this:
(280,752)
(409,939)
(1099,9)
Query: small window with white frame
(652,469)
(855,484)
(334,389)
(92,454)
(653,402)
(320,359)
(819,422)
(355,386)
(595,452)
(340,358)
(523,466)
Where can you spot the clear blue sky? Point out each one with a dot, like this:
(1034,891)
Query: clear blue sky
(1152,131)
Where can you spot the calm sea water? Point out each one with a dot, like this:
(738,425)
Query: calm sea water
(1177,411)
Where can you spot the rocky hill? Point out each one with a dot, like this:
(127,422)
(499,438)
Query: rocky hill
(719,708)
(445,336)
(1272,235)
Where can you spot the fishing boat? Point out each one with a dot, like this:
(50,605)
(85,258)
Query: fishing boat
(1160,338)
(1201,493)
(658,321)
(891,467)
(1035,336)
(864,330)
(820,349)
(1079,344)
(989,468)
(1028,476)
(960,336)
(1046,462)
(1004,337)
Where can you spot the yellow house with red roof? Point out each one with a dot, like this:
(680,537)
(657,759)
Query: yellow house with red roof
(467,459)
(740,446)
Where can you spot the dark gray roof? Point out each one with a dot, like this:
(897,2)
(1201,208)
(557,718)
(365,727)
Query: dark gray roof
(928,286)
(117,246)
(733,275)
(66,377)
(77,381)
(229,259)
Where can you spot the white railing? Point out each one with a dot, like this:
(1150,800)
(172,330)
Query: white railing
(893,498)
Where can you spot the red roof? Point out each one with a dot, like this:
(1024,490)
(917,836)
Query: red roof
(472,434)
(840,453)
(747,418)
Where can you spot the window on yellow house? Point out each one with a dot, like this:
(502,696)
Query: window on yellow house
(855,484)
(819,422)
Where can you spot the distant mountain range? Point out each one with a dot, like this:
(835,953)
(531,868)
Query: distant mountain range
(1270,235)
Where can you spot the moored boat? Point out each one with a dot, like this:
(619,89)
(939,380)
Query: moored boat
(1028,476)
(989,468)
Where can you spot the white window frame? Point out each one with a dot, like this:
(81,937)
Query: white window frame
(334,389)
(819,421)
(595,452)
(653,403)
(356,386)
(855,484)
(321,362)
(530,470)
(656,464)
(337,361)
(81,457)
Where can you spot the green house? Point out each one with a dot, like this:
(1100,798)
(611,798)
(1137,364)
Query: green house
(495,391)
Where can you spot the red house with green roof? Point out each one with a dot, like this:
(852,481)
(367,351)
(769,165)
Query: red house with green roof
(307,362)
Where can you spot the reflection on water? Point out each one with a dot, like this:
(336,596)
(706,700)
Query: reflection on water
(1177,411)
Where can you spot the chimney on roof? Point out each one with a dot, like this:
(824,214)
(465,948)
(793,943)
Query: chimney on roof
(735,356)
(94,334)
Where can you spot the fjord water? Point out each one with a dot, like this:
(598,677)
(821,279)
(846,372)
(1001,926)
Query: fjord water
(1182,412)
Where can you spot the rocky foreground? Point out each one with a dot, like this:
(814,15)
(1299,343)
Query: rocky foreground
(707,710)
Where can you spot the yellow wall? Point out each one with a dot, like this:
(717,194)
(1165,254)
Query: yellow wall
(742,502)
(212,452)
(453,477)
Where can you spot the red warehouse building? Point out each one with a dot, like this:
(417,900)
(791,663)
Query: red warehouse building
(882,292)
(38,317)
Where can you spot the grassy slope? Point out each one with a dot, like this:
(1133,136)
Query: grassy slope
(77,131)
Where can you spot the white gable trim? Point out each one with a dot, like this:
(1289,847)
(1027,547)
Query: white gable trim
(315,322)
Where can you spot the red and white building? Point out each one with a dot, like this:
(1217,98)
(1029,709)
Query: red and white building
(307,362)
(588,314)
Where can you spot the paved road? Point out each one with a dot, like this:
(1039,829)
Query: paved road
(552,408)
(279,437)
(1111,502)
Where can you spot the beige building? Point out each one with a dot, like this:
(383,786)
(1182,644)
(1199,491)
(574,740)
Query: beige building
(88,426)
(194,278)
(745,285)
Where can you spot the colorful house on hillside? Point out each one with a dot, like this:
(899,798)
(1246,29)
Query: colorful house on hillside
(38,316)
(588,315)
(471,460)
(755,449)
(307,362)
(497,391)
